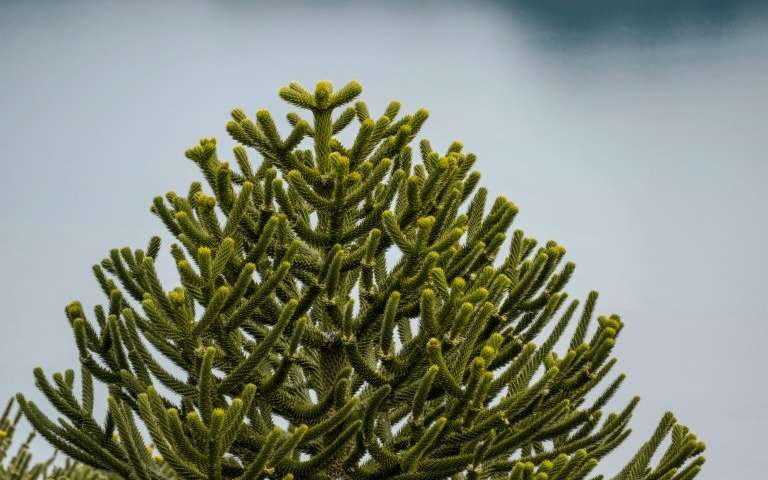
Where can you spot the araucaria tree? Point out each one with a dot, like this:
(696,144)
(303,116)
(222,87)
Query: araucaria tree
(346,312)
(20,465)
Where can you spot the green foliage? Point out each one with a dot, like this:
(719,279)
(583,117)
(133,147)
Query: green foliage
(21,467)
(345,312)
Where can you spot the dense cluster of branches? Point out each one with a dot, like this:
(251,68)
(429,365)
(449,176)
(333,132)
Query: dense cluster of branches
(345,312)
(20,465)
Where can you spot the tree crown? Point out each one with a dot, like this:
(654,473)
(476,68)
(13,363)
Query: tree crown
(345,312)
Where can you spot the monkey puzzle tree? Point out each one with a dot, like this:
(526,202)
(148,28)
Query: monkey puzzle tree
(20,466)
(345,312)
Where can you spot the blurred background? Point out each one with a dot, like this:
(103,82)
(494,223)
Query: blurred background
(632,132)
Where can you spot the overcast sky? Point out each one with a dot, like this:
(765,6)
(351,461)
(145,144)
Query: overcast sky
(636,137)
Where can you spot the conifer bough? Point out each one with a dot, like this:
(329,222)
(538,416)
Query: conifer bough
(20,465)
(345,312)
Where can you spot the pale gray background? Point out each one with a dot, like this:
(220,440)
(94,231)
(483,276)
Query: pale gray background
(633,133)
